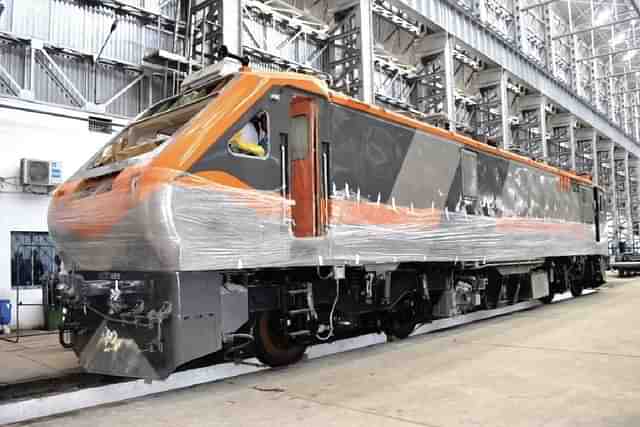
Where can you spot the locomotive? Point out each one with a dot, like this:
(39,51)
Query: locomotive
(255,214)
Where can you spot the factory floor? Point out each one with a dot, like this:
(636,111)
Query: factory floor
(573,363)
(34,357)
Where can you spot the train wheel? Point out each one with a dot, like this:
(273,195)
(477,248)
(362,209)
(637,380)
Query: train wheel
(403,318)
(66,337)
(576,288)
(273,346)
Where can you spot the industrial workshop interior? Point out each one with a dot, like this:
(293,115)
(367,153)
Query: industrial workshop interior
(320,213)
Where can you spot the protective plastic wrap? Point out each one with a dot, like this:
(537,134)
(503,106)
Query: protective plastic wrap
(196,184)
(169,221)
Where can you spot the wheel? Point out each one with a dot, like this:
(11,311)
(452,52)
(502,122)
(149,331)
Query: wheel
(548,298)
(403,318)
(273,346)
(66,337)
(576,288)
(621,273)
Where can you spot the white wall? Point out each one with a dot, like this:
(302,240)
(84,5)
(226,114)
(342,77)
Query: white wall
(40,136)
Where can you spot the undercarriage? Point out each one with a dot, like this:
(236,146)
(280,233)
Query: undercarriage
(148,324)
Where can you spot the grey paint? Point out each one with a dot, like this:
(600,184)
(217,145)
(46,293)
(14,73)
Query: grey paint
(426,175)
(194,329)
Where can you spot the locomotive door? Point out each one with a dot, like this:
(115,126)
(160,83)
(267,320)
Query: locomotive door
(309,211)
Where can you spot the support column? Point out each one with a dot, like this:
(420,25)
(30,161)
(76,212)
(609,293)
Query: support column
(627,192)
(577,81)
(449,81)
(636,109)
(596,162)
(364,18)
(505,111)
(543,129)
(572,143)
(614,195)
(625,105)
(232,25)
(635,113)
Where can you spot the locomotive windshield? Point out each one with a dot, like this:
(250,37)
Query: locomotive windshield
(155,126)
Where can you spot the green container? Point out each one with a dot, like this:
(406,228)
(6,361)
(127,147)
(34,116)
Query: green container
(53,318)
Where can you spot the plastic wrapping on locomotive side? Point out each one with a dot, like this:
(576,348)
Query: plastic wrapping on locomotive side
(396,194)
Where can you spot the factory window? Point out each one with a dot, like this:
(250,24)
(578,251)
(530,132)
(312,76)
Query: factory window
(252,140)
(32,258)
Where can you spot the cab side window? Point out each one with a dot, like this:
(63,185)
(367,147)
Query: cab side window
(253,139)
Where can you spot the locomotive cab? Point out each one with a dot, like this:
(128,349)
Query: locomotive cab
(135,224)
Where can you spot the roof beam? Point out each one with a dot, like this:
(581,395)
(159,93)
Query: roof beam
(471,31)
(595,27)
(636,6)
(603,55)
(533,6)
(612,76)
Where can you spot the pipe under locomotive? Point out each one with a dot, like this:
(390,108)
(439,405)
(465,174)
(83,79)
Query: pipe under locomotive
(257,213)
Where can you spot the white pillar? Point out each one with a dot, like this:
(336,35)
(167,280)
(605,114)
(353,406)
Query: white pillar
(366,51)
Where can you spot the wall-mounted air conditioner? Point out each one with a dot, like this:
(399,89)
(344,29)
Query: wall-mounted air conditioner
(40,173)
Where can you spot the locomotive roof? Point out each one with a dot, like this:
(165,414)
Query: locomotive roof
(317,86)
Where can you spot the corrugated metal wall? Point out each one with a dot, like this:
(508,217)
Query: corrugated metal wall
(75,25)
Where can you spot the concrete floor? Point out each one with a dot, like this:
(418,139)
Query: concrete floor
(573,363)
(34,358)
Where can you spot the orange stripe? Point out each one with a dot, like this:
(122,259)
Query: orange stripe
(209,177)
(348,212)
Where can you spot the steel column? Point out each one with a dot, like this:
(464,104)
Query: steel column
(544,140)
(232,25)
(505,111)
(627,190)
(614,195)
(572,143)
(595,175)
(449,81)
(365,18)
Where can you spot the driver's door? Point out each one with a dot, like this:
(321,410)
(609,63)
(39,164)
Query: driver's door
(308,212)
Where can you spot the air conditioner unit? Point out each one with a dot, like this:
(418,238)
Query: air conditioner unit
(40,173)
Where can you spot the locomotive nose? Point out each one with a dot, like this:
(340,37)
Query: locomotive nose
(145,325)
(123,350)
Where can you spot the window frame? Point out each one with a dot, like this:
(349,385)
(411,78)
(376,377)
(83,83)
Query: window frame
(267,153)
(31,234)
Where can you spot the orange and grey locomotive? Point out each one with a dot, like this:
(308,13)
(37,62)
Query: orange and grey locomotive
(256,214)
